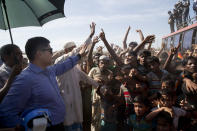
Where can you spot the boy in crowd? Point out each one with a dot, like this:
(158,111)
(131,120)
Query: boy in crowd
(137,121)
(110,101)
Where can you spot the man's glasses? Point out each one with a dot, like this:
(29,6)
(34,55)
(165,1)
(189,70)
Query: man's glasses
(50,50)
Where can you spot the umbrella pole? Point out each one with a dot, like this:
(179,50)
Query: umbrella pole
(6,14)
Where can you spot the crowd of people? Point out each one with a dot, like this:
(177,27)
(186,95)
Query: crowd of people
(180,14)
(133,88)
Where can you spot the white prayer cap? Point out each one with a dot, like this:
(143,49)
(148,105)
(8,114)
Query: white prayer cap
(103,57)
(69,44)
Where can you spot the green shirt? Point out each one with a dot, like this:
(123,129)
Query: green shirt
(141,125)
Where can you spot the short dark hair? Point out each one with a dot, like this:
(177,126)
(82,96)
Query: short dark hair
(132,53)
(144,52)
(185,61)
(141,99)
(6,50)
(153,59)
(164,55)
(113,84)
(33,45)
(133,43)
(166,116)
(126,67)
(169,79)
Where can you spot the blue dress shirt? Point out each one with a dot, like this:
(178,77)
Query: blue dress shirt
(35,88)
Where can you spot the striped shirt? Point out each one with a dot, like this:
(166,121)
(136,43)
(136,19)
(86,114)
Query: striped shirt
(128,99)
(155,82)
(5,72)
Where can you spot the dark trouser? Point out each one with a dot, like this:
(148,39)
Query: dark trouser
(185,15)
(58,127)
(87,108)
(172,27)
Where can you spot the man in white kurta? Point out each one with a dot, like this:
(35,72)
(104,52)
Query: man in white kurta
(71,93)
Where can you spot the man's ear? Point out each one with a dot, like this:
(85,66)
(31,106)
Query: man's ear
(37,54)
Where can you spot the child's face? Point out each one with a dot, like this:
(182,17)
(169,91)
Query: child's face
(140,109)
(154,66)
(162,125)
(102,64)
(142,59)
(165,85)
(192,65)
(130,58)
(167,101)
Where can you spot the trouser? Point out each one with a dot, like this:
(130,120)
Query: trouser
(185,15)
(172,27)
(74,127)
(96,112)
(87,108)
(108,126)
(58,127)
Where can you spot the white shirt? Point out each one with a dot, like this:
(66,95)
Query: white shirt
(71,93)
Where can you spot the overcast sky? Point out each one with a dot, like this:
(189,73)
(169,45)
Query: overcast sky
(114,16)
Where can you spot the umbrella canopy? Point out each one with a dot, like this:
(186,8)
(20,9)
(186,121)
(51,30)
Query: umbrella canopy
(30,12)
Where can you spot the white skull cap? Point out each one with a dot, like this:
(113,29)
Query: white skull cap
(69,44)
(103,57)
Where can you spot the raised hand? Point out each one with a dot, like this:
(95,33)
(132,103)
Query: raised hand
(128,29)
(174,50)
(95,40)
(149,39)
(17,69)
(163,45)
(138,31)
(133,72)
(102,35)
(190,86)
(83,51)
(92,28)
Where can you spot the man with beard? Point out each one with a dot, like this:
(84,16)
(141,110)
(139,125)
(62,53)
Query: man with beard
(69,84)
(102,75)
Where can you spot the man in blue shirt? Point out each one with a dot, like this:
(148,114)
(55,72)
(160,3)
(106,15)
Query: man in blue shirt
(36,86)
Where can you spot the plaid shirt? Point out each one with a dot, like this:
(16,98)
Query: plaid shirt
(4,74)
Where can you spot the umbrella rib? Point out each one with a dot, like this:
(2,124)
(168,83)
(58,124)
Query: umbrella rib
(3,15)
(31,10)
